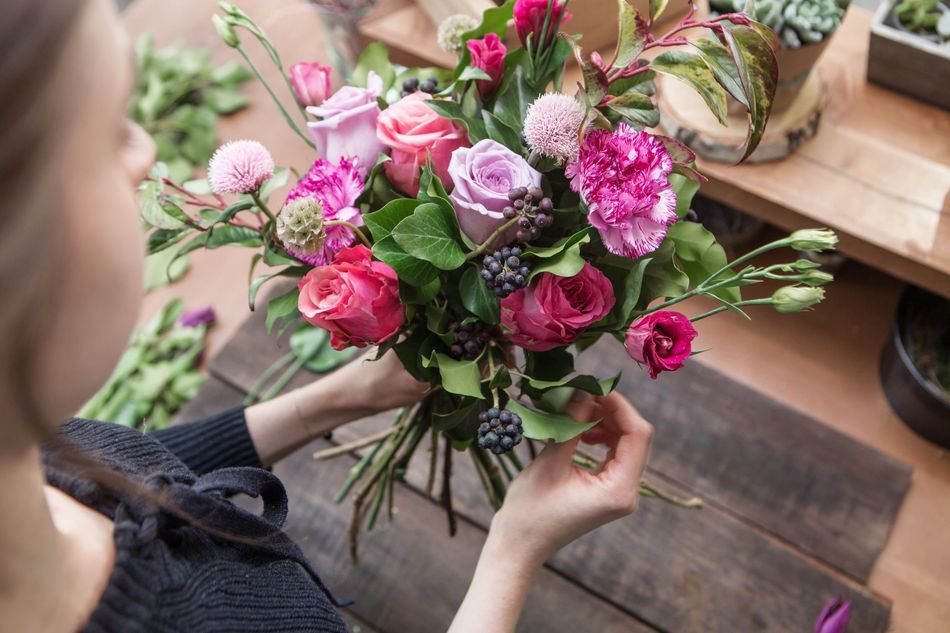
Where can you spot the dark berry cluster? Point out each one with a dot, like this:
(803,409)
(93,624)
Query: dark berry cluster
(504,272)
(532,209)
(499,430)
(430,85)
(469,339)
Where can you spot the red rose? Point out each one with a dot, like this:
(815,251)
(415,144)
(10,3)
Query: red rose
(553,310)
(661,340)
(488,54)
(529,18)
(355,298)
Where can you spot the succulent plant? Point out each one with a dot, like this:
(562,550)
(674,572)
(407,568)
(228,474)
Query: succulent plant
(925,17)
(796,22)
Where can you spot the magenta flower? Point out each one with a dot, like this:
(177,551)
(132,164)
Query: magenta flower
(488,54)
(623,177)
(336,188)
(529,18)
(240,167)
(834,617)
(661,340)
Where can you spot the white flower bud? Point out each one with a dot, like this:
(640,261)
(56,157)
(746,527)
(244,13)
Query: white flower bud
(813,240)
(796,298)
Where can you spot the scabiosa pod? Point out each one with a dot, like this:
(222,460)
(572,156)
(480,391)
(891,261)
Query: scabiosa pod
(335,188)
(552,124)
(623,178)
(240,167)
(300,226)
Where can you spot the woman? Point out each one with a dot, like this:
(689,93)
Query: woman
(109,530)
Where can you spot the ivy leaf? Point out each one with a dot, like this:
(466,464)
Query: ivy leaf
(567,263)
(430,235)
(758,71)
(477,298)
(691,69)
(461,377)
(701,256)
(581,237)
(663,276)
(584,382)
(539,425)
(411,270)
(421,294)
(381,223)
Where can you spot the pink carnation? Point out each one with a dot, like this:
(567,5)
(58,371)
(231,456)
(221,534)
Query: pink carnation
(240,167)
(336,187)
(623,177)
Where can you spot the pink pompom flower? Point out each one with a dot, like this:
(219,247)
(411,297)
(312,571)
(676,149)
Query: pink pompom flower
(661,340)
(240,167)
(356,299)
(336,188)
(623,178)
(552,124)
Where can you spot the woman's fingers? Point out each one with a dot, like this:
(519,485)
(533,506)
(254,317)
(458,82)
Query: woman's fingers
(630,447)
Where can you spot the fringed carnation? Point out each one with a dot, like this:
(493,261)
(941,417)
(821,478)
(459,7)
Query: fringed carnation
(623,177)
(240,167)
(551,126)
(336,188)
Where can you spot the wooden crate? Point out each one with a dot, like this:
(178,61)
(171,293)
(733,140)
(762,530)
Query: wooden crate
(908,63)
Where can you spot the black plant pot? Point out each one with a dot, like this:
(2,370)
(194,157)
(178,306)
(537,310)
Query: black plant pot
(917,401)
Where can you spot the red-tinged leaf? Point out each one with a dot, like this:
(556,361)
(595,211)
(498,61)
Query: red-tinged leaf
(657,7)
(691,69)
(678,151)
(758,71)
(631,36)
(688,172)
(635,106)
(595,81)
(719,60)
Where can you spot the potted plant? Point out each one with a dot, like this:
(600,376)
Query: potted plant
(803,27)
(915,364)
(909,49)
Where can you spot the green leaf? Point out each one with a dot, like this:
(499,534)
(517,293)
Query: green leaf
(224,100)
(275,182)
(567,263)
(283,307)
(550,365)
(381,223)
(691,69)
(662,277)
(257,284)
(513,100)
(584,382)
(720,61)
(460,377)
(500,132)
(430,235)
(656,8)
(151,209)
(453,111)
(580,237)
(411,270)
(539,425)
(758,71)
(632,33)
(421,294)
(700,256)
(374,57)
(633,285)
(312,344)
(637,107)
(477,298)
(160,239)
(685,189)
(462,421)
(164,268)
(471,72)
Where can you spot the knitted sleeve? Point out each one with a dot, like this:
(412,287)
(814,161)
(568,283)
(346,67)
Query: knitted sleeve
(215,442)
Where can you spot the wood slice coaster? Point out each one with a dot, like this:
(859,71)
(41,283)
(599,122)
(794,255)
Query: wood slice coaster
(788,497)
(685,116)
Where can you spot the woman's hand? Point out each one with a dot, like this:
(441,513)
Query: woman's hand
(373,386)
(551,503)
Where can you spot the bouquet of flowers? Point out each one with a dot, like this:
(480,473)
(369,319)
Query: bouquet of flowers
(487,223)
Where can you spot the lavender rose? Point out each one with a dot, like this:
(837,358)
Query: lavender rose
(483,175)
(347,128)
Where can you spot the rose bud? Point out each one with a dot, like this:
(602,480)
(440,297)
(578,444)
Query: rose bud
(813,240)
(311,82)
(529,19)
(796,298)
(661,340)
(488,54)
(834,617)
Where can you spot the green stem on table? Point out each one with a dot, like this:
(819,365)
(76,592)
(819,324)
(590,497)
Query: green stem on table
(378,499)
(433,461)
(352,227)
(265,376)
(741,304)
(357,471)
(491,239)
(651,490)
(447,487)
(273,96)
(256,196)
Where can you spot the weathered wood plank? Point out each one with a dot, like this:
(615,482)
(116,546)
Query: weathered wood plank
(411,576)
(678,570)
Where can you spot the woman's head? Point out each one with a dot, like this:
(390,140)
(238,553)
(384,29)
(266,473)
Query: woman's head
(71,250)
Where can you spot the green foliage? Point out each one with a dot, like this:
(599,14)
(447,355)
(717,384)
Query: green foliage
(542,425)
(925,17)
(156,375)
(179,95)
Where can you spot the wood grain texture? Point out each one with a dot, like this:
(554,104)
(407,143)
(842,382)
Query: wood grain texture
(667,565)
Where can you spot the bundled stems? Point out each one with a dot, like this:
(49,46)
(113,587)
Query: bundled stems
(447,486)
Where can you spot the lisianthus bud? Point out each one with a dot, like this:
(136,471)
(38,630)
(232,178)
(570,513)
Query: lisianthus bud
(796,298)
(225,31)
(817,278)
(813,239)
(551,126)
(300,225)
(240,167)
(834,617)
(451,30)
(803,265)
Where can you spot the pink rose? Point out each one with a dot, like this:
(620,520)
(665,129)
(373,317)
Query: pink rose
(347,128)
(553,310)
(355,298)
(529,18)
(411,129)
(661,340)
(488,54)
(311,82)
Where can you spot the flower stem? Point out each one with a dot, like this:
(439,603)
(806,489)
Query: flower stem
(491,239)
(352,227)
(651,490)
(355,444)
(256,196)
(714,311)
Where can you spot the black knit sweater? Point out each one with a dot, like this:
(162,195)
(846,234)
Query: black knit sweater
(172,576)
